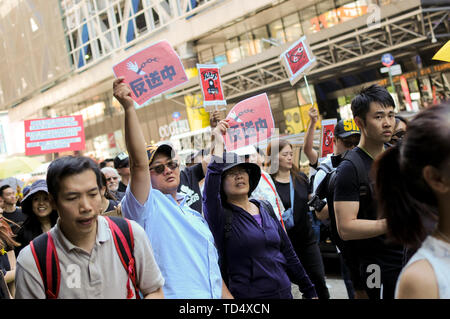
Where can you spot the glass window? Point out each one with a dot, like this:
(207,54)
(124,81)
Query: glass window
(324,6)
(309,20)
(233,50)
(259,34)
(246,45)
(292,27)
(276,31)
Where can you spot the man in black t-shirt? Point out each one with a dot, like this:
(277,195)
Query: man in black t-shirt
(10,211)
(379,263)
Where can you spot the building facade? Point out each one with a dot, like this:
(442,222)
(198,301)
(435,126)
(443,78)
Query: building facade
(58,57)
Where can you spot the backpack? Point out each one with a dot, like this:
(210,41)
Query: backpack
(46,258)
(323,166)
(327,187)
(227,233)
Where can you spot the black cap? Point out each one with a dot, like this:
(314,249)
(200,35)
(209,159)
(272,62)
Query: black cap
(121,160)
(254,172)
(345,128)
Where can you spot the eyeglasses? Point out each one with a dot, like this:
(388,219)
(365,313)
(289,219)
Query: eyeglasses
(159,169)
(114,178)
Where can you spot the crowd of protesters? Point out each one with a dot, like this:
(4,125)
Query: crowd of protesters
(240,224)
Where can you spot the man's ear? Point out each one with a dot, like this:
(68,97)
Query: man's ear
(434,179)
(359,122)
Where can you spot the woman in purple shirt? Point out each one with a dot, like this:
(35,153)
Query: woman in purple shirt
(257,258)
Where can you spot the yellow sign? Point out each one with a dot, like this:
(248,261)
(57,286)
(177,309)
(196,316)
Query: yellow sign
(444,53)
(305,117)
(294,124)
(197,116)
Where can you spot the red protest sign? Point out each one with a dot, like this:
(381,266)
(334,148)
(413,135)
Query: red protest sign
(211,84)
(151,71)
(326,138)
(297,59)
(250,121)
(51,135)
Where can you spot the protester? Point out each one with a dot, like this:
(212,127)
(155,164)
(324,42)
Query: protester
(293,188)
(310,152)
(180,236)
(109,162)
(413,187)
(7,256)
(85,245)
(346,137)
(109,201)
(122,165)
(354,204)
(265,190)
(256,255)
(399,129)
(192,180)
(112,182)
(10,211)
(41,216)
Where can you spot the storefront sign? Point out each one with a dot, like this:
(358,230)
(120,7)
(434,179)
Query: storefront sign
(294,124)
(151,71)
(250,121)
(51,135)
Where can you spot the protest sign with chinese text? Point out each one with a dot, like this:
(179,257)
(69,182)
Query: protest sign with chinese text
(250,121)
(151,71)
(297,60)
(326,138)
(51,135)
(211,86)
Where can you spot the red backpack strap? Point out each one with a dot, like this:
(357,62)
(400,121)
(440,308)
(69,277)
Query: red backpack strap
(122,234)
(46,258)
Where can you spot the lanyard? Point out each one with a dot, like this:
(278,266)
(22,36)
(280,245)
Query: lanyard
(276,198)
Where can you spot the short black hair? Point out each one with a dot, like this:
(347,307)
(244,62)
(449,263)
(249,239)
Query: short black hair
(3,188)
(67,166)
(103,163)
(374,93)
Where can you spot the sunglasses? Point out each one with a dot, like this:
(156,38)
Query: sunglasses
(109,179)
(159,169)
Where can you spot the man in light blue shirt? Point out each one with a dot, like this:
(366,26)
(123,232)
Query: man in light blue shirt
(182,242)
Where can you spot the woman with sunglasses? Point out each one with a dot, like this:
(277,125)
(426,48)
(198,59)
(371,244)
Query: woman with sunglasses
(257,258)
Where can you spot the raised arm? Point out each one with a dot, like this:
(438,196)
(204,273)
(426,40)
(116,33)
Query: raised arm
(308,149)
(135,142)
(212,205)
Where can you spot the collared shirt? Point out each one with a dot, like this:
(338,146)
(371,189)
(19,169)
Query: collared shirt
(99,274)
(183,245)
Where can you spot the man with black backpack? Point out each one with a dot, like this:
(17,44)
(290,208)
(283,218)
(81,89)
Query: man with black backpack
(379,263)
(346,137)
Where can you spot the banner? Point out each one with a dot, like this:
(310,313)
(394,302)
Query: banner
(326,138)
(211,85)
(297,59)
(151,71)
(51,135)
(251,122)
